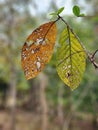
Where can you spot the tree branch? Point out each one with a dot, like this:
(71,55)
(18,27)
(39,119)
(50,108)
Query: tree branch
(91,57)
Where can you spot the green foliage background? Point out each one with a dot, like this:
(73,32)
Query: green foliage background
(12,37)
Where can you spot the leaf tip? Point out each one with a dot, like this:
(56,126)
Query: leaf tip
(60,10)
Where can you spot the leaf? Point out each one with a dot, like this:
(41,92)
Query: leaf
(57,12)
(81,15)
(71,59)
(38,49)
(76,10)
(60,10)
(53,13)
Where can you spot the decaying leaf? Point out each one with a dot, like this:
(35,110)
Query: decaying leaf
(38,49)
(71,59)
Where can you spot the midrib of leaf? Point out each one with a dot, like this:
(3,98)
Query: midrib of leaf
(48,29)
(69,39)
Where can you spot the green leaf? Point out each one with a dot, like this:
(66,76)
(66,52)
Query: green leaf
(81,15)
(54,13)
(60,10)
(71,59)
(76,10)
(57,12)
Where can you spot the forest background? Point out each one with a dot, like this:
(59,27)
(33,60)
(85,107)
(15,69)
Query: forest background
(45,102)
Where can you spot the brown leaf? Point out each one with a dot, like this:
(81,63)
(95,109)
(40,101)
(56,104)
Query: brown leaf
(38,49)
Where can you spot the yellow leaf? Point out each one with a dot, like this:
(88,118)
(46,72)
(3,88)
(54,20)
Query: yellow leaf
(71,59)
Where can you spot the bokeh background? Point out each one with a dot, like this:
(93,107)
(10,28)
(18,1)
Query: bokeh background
(45,102)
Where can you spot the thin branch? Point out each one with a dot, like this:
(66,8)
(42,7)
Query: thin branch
(91,57)
(94,53)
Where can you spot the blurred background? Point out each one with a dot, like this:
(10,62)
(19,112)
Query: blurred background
(45,103)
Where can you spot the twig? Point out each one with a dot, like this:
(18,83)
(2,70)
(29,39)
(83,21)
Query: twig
(91,57)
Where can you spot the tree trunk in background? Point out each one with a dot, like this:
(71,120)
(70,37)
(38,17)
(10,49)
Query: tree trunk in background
(11,103)
(33,102)
(69,113)
(60,114)
(44,109)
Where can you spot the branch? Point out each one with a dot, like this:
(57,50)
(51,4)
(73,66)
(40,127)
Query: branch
(91,57)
